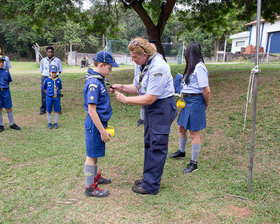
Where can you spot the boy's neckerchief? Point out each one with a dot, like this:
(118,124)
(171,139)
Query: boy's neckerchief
(143,72)
(100,77)
(104,80)
(54,86)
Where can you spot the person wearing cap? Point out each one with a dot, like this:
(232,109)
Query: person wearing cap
(99,111)
(52,88)
(44,69)
(7,64)
(155,92)
(5,96)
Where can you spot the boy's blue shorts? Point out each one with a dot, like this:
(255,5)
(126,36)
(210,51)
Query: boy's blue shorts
(94,145)
(55,102)
(5,98)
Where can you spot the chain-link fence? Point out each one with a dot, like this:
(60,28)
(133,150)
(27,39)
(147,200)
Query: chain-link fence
(173,52)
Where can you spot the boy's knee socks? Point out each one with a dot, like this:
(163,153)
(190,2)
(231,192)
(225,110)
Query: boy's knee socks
(49,116)
(10,116)
(90,174)
(55,117)
(142,112)
(1,119)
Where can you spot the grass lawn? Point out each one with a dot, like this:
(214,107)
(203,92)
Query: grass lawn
(42,171)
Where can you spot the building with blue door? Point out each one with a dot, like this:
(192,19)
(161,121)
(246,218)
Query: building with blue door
(269,37)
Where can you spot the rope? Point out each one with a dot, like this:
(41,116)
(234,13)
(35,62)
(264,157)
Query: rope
(250,91)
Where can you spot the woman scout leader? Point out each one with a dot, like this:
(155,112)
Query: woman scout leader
(155,92)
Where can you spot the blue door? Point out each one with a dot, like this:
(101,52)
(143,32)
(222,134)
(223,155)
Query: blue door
(275,42)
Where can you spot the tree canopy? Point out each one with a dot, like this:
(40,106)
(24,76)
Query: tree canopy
(215,17)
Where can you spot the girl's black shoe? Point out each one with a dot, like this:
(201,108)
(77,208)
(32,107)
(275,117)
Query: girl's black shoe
(177,154)
(192,167)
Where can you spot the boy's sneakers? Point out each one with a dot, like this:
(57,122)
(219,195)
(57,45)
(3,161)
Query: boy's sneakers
(139,122)
(1,128)
(55,125)
(94,191)
(192,167)
(104,180)
(14,126)
(49,126)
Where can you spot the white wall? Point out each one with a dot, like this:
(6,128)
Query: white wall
(268,27)
(239,37)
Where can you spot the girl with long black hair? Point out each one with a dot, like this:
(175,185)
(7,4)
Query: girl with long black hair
(196,93)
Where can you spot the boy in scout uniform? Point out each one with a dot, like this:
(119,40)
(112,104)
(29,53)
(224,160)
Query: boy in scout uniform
(99,111)
(52,87)
(5,95)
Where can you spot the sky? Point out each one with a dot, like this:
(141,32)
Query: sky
(86,4)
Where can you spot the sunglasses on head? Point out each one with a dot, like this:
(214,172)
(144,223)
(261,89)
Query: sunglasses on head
(135,43)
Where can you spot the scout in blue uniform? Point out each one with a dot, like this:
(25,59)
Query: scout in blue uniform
(44,69)
(155,92)
(5,96)
(52,88)
(196,93)
(99,111)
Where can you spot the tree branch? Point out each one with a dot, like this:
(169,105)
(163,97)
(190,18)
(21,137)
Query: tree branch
(138,8)
(166,9)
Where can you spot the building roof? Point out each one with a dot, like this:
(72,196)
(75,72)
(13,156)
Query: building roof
(262,21)
(240,35)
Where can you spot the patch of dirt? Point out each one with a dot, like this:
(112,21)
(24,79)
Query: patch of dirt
(5,159)
(238,212)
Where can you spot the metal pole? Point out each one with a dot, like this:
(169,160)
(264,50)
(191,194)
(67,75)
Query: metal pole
(225,48)
(268,50)
(255,96)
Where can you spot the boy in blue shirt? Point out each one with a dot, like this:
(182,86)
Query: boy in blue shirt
(99,111)
(5,95)
(44,69)
(52,87)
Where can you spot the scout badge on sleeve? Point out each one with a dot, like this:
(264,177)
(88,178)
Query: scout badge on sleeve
(111,130)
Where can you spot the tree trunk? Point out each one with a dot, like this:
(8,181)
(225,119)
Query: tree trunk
(218,46)
(154,31)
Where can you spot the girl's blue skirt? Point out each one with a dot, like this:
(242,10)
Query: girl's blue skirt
(193,116)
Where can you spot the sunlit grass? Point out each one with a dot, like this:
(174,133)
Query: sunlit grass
(42,177)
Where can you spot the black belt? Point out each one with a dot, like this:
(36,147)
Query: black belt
(191,94)
(2,89)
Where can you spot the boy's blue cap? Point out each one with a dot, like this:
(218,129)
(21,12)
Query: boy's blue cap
(105,57)
(2,58)
(53,68)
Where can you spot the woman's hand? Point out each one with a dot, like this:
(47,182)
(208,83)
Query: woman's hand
(118,87)
(120,97)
